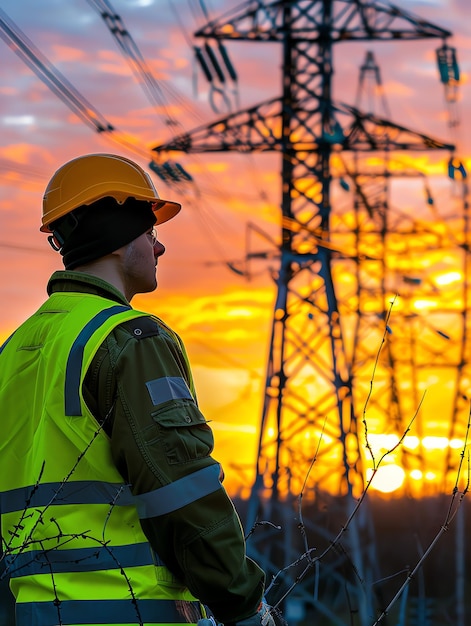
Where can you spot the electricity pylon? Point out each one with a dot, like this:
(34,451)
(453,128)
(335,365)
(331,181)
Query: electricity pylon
(331,297)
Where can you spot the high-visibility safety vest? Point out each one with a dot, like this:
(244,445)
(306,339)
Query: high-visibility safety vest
(72,542)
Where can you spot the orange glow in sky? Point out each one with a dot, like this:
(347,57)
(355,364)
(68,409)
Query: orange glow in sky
(215,280)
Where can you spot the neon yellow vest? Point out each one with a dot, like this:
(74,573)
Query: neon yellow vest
(72,540)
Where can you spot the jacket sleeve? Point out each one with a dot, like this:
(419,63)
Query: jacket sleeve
(162,445)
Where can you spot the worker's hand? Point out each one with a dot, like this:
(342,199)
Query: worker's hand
(266,616)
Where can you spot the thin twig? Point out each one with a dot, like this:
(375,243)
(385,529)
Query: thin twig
(386,331)
(450,515)
(302,527)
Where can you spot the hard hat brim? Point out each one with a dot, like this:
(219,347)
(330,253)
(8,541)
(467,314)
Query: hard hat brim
(164,210)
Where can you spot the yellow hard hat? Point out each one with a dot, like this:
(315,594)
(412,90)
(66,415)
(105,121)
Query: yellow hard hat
(94,176)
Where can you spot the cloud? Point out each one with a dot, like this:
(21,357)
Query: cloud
(68,54)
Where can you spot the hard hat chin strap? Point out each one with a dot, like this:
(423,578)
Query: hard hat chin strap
(61,231)
(55,243)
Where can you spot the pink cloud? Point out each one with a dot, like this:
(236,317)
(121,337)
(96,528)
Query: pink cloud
(67,54)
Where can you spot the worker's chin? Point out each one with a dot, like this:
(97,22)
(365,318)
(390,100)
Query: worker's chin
(148,286)
(152,286)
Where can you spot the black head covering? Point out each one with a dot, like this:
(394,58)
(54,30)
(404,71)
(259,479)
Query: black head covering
(93,231)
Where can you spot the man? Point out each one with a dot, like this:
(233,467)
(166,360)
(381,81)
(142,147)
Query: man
(112,508)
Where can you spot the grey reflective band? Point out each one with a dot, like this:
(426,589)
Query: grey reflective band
(74,363)
(80,559)
(180,493)
(73,492)
(129,611)
(167,388)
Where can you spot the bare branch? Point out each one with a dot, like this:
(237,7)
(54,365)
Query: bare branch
(368,397)
(451,513)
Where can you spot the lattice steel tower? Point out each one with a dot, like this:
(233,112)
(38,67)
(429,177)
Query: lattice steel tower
(334,282)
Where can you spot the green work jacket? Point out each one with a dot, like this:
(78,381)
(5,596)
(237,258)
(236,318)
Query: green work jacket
(106,472)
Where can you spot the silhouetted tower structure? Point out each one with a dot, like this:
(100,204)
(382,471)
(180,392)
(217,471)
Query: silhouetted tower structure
(326,331)
(308,128)
(390,245)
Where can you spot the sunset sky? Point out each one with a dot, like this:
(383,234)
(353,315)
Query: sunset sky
(223,317)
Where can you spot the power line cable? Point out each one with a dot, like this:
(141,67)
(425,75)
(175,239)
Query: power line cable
(61,87)
(209,64)
(25,248)
(153,89)
(134,56)
(19,43)
(8,165)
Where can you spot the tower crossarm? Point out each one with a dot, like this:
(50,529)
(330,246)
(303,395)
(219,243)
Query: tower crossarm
(351,21)
(366,132)
(257,129)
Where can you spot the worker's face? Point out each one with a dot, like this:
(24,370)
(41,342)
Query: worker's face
(139,263)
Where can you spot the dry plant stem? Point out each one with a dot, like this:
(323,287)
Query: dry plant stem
(262,523)
(19,525)
(455,503)
(386,331)
(300,511)
(308,551)
(419,564)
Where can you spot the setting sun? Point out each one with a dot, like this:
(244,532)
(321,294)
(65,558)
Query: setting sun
(387,478)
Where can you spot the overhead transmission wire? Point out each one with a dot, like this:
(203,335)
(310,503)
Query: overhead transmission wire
(450,77)
(216,66)
(293,225)
(153,89)
(370,75)
(19,43)
(27,51)
(207,220)
(8,165)
(25,248)
(23,47)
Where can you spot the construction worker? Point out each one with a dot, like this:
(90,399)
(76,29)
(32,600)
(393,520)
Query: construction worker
(112,507)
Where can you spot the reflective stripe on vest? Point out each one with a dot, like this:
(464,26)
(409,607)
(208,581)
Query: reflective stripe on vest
(83,559)
(77,492)
(75,360)
(100,612)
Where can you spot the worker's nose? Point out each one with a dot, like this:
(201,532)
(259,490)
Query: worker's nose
(159,249)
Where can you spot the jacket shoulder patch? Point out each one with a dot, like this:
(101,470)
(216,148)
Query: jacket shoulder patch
(141,327)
